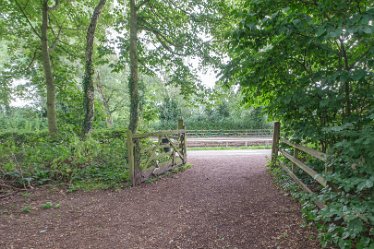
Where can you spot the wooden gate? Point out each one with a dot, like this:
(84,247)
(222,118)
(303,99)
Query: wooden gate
(154,153)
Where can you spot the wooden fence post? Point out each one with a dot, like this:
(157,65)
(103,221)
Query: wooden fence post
(275,147)
(131,161)
(181,126)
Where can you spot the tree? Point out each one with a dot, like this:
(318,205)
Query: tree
(5,88)
(88,85)
(327,62)
(65,38)
(46,59)
(134,70)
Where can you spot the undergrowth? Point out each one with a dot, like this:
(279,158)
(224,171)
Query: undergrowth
(345,222)
(30,159)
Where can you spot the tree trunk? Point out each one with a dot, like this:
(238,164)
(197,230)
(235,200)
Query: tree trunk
(88,86)
(134,87)
(51,88)
(134,78)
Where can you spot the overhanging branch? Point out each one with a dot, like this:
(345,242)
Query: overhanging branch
(27,19)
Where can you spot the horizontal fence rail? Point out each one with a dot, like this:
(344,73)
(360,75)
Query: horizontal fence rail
(316,176)
(319,155)
(216,133)
(297,161)
(229,138)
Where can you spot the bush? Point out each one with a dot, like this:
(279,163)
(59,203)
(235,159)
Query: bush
(349,215)
(347,220)
(34,158)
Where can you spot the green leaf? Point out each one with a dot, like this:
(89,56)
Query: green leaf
(368,29)
(365,185)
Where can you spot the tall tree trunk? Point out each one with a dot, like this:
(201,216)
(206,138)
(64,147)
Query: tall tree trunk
(134,87)
(88,86)
(51,88)
(134,78)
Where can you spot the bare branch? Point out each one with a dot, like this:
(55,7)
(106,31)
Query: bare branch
(32,59)
(57,38)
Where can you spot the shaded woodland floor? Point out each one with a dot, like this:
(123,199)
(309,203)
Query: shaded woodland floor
(224,201)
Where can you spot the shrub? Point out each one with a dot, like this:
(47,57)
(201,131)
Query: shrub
(34,158)
(347,220)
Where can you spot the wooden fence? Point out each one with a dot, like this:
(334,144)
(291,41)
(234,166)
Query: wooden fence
(154,153)
(277,141)
(230,133)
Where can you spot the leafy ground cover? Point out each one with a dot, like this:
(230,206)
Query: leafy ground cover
(29,159)
(346,221)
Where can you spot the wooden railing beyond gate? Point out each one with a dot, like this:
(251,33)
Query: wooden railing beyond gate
(230,133)
(154,153)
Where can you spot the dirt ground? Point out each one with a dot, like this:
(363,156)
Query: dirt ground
(223,201)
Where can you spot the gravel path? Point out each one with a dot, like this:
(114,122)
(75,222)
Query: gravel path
(221,202)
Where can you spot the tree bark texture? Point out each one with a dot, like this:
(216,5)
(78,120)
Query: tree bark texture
(134,87)
(88,85)
(47,67)
(134,77)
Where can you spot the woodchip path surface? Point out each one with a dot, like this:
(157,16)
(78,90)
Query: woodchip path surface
(226,200)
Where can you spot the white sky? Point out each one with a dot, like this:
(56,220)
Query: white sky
(208,78)
(18,101)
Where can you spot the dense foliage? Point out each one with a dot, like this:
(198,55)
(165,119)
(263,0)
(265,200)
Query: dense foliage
(216,109)
(310,64)
(34,158)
